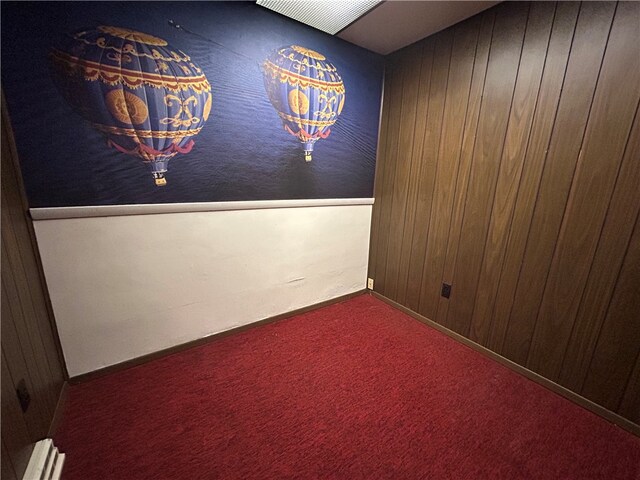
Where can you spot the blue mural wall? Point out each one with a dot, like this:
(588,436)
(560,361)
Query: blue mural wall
(160,102)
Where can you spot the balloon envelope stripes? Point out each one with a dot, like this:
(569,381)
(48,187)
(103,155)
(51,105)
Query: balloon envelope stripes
(306,91)
(148,98)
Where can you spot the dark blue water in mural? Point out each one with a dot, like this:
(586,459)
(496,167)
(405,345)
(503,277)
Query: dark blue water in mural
(242,152)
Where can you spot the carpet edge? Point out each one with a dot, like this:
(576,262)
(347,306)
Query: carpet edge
(134,362)
(574,397)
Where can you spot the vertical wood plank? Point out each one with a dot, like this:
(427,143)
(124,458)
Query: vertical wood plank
(36,417)
(28,337)
(24,360)
(618,346)
(587,51)
(427,195)
(616,233)
(630,404)
(386,194)
(518,185)
(525,98)
(24,273)
(610,122)
(549,97)
(15,435)
(411,81)
(418,168)
(381,165)
(19,233)
(455,107)
(466,154)
(20,301)
(8,472)
(504,59)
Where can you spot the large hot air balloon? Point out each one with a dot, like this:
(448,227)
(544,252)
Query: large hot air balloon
(306,91)
(147,98)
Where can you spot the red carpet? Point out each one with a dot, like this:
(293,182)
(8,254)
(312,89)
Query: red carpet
(352,391)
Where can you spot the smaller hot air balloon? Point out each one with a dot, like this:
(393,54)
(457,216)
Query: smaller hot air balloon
(148,98)
(306,91)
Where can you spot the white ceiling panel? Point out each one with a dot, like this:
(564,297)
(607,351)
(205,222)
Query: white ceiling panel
(395,24)
(330,16)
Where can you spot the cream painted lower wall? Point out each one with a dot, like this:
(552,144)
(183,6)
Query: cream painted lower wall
(126,286)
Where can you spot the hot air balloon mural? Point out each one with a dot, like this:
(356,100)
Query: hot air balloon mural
(148,98)
(306,91)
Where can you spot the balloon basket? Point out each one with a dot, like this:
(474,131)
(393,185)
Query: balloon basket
(159,179)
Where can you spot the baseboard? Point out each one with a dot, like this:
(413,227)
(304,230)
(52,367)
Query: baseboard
(57,414)
(202,341)
(46,461)
(545,382)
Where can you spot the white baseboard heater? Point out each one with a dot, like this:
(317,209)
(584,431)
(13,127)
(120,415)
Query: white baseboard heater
(45,462)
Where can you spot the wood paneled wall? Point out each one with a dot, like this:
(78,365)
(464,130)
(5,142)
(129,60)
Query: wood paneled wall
(29,345)
(509,167)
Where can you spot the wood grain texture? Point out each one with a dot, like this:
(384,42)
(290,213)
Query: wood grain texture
(555,387)
(581,77)
(394,78)
(456,99)
(417,195)
(405,168)
(618,345)
(15,433)
(616,233)
(427,194)
(7,471)
(22,247)
(378,181)
(466,153)
(504,59)
(630,404)
(30,349)
(525,145)
(23,313)
(543,122)
(610,120)
(534,52)
(22,359)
